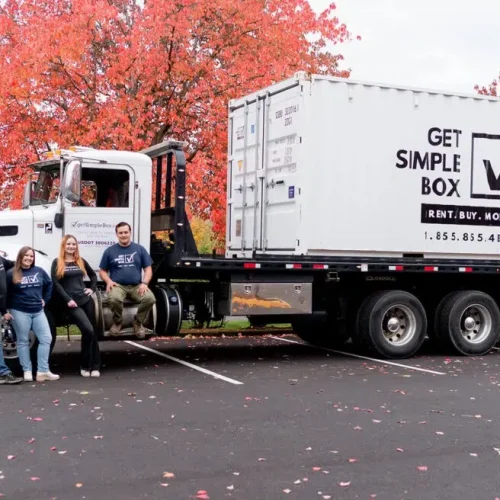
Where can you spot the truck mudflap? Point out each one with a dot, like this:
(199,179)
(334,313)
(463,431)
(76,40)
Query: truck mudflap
(268,298)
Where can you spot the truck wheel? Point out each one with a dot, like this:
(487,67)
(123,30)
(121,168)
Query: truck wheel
(10,355)
(392,324)
(320,329)
(9,346)
(468,322)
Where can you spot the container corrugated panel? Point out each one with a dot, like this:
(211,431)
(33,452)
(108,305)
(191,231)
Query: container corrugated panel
(328,166)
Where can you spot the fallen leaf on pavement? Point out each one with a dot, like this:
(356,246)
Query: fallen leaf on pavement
(422,468)
(168,475)
(78,485)
(344,483)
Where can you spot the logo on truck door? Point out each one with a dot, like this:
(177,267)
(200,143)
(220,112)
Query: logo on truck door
(485,176)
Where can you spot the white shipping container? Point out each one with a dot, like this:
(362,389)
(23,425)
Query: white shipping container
(324,166)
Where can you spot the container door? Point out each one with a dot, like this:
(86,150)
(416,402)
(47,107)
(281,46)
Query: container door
(244,183)
(281,210)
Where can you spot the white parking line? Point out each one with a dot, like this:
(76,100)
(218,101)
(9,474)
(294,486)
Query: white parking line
(407,367)
(185,363)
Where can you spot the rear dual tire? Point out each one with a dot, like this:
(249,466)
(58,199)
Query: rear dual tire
(467,323)
(391,324)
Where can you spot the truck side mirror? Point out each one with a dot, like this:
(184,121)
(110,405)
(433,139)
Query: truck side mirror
(72,181)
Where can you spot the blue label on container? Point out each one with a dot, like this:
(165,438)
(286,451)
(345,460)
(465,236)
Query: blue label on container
(252,129)
(291,192)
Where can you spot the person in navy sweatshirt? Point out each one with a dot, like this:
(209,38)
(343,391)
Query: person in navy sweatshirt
(29,288)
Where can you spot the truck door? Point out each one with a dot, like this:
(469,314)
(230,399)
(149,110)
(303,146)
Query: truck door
(107,197)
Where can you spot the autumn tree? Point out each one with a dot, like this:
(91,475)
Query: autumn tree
(491,89)
(128,74)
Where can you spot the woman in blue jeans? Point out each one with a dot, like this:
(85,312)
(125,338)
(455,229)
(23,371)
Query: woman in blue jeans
(28,290)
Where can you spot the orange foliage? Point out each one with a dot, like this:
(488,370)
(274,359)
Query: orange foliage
(127,74)
(491,89)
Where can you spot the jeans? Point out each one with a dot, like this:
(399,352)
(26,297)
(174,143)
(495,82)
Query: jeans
(84,318)
(23,323)
(4,370)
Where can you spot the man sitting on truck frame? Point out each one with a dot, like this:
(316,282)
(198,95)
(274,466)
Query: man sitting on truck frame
(121,269)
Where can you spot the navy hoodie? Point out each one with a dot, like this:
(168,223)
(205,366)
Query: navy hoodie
(27,296)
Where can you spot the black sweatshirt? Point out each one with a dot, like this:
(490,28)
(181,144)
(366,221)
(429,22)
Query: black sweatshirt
(5,265)
(71,285)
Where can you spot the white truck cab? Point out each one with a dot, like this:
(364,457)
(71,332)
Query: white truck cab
(83,192)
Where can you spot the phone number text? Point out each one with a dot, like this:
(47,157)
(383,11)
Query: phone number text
(462,236)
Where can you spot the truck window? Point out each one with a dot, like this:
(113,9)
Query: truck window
(105,188)
(46,188)
(8,230)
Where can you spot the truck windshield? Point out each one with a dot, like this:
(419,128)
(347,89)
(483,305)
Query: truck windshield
(46,188)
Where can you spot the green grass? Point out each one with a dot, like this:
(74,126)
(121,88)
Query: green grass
(73,330)
(230,325)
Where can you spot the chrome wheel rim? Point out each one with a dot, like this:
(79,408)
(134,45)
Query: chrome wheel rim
(10,347)
(475,323)
(399,325)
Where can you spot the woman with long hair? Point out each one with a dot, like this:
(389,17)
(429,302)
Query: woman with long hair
(68,272)
(28,290)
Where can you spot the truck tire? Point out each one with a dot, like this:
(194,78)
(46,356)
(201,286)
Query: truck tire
(320,329)
(467,323)
(391,324)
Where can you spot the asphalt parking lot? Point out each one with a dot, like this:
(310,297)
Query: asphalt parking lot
(265,418)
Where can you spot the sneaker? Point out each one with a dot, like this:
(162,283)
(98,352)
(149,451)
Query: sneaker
(95,373)
(84,373)
(139,330)
(46,376)
(10,379)
(115,329)
(28,376)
